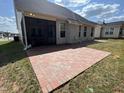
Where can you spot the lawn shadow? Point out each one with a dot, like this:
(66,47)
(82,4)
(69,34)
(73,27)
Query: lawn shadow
(54,48)
(11,52)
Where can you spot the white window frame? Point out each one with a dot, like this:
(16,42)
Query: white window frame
(85,31)
(63,30)
(111,30)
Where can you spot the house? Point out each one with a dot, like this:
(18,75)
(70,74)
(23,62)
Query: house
(40,22)
(1,34)
(110,30)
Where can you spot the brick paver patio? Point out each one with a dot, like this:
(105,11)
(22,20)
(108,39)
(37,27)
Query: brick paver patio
(55,66)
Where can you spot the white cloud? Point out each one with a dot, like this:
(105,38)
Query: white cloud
(71,3)
(57,0)
(8,24)
(80,1)
(99,10)
(95,11)
(115,18)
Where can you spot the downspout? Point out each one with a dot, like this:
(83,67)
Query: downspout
(18,22)
(15,13)
(25,34)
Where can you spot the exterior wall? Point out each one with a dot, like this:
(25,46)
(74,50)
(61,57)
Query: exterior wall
(107,29)
(97,33)
(1,36)
(59,40)
(73,36)
(71,32)
(88,37)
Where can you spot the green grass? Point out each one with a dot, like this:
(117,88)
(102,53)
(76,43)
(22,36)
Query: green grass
(107,76)
(16,74)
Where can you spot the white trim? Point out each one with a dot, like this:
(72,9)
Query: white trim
(25,34)
(73,22)
(15,14)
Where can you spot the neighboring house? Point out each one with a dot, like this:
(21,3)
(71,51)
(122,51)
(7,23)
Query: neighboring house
(1,34)
(40,22)
(7,34)
(110,30)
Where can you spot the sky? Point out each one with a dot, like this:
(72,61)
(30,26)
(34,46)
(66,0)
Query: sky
(94,10)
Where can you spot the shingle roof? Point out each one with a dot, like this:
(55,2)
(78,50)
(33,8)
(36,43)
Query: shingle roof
(45,7)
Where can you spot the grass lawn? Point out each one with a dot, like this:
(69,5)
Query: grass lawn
(105,77)
(17,76)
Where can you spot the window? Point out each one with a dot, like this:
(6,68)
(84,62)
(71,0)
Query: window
(92,31)
(111,30)
(85,31)
(62,30)
(85,28)
(121,30)
(79,31)
(62,34)
(106,33)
